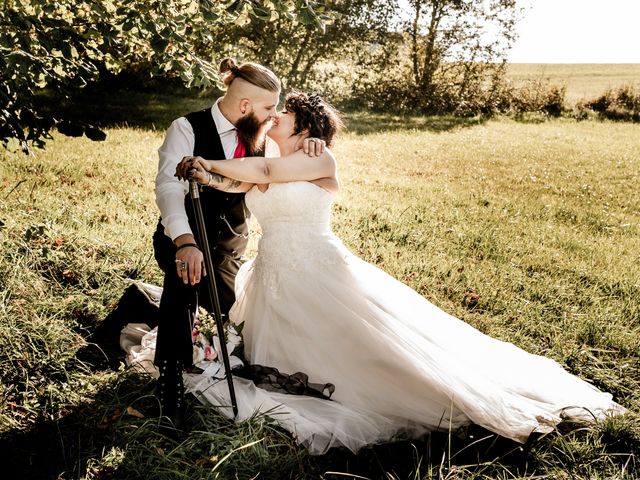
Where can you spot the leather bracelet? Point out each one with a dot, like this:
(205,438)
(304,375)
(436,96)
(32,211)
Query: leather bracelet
(185,245)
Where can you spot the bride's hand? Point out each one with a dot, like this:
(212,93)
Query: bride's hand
(193,168)
(314,147)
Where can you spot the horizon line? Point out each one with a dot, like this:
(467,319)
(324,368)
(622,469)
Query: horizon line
(573,63)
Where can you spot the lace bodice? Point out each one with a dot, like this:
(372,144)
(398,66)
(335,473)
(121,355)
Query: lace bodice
(295,218)
(291,208)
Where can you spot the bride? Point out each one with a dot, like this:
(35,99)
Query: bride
(400,365)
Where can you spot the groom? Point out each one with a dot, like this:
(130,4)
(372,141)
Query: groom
(235,126)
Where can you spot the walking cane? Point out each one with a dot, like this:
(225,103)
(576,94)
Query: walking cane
(203,241)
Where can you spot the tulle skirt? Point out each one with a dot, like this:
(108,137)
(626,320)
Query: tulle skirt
(400,365)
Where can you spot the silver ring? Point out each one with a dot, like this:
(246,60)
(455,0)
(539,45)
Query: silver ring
(182,264)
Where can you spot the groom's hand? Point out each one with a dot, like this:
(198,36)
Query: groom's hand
(192,168)
(189,260)
(314,147)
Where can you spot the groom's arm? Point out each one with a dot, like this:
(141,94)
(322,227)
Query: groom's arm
(194,168)
(197,172)
(169,190)
(219,182)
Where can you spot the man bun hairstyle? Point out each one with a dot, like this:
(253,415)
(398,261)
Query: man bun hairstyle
(250,72)
(315,114)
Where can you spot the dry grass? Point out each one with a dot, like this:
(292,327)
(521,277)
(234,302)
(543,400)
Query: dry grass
(583,81)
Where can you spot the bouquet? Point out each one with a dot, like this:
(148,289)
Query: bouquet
(206,343)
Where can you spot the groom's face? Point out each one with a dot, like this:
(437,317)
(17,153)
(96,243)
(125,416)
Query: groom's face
(251,128)
(256,120)
(262,105)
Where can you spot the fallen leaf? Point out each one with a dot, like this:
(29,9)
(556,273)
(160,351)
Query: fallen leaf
(470,299)
(133,412)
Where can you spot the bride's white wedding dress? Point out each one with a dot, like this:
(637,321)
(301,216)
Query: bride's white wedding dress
(400,365)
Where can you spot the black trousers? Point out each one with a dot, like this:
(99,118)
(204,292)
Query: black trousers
(179,301)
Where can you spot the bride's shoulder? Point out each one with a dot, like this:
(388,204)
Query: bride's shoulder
(328,156)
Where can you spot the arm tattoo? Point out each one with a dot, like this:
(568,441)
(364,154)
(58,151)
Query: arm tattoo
(215,179)
(234,183)
(220,182)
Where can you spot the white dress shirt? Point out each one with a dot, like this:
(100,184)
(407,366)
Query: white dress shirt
(170,191)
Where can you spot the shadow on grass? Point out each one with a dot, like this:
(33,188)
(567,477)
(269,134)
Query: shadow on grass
(66,448)
(437,455)
(109,108)
(104,438)
(155,110)
(101,439)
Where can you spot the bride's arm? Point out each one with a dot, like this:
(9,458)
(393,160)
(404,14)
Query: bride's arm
(295,167)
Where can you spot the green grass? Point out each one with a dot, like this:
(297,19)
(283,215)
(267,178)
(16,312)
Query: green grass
(583,81)
(541,220)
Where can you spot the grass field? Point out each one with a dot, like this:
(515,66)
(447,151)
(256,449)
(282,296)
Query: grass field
(541,220)
(583,81)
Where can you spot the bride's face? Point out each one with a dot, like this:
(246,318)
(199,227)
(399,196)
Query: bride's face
(283,126)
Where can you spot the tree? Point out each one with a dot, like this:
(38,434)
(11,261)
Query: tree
(458,47)
(64,45)
(441,55)
(303,55)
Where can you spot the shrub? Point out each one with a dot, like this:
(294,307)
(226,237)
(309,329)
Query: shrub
(395,91)
(622,103)
(538,96)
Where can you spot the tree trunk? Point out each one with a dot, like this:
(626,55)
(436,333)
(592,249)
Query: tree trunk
(415,31)
(302,79)
(294,71)
(430,60)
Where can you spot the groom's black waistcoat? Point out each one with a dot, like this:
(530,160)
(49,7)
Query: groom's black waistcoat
(224,213)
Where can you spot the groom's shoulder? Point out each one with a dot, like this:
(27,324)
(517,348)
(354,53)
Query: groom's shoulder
(199,114)
(192,121)
(200,119)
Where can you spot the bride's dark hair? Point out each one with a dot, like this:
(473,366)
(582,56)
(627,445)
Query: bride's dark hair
(314,114)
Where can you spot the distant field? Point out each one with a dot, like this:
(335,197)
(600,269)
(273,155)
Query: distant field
(582,80)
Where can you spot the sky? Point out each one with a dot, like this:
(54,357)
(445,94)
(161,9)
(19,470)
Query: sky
(578,31)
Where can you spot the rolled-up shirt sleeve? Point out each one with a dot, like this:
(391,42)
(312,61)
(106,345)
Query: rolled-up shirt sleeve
(170,191)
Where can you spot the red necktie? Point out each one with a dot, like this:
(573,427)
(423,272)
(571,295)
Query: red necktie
(241,150)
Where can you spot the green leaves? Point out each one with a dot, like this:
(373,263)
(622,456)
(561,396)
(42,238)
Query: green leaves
(77,129)
(159,43)
(261,13)
(64,45)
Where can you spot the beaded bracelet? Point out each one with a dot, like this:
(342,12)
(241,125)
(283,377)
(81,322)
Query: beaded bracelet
(185,245)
